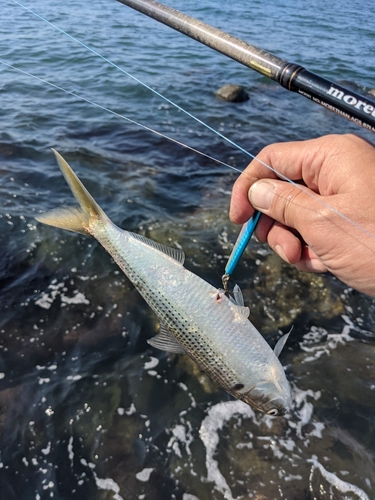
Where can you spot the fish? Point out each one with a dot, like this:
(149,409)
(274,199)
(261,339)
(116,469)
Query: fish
(196,319)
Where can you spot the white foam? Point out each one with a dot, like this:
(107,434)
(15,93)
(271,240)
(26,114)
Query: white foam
(144,475)
(304,409)
(288,444)
(78,298)
(47,298)
(217,416)
(74,377)
(70,450)
(131,410)
(47,449)
(45,301)
(336,482)
(312,340)
(152,363)
(293,477)
(181,435)
(104,484)
(110,485)
(42,381)
(185,388)
(249,445)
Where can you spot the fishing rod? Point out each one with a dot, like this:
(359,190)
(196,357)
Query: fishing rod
(293,77)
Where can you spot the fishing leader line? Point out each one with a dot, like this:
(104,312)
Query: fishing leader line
(119,115)
(219,134)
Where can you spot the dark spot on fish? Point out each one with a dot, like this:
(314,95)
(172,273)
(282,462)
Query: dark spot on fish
(237,387)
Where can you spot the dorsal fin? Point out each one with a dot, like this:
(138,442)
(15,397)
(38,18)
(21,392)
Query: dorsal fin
(174,253)
(166,341)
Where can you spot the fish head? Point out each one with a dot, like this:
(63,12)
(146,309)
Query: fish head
(268,398)
(270,395)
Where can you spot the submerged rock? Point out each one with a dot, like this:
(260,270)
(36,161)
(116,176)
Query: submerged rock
(232,93)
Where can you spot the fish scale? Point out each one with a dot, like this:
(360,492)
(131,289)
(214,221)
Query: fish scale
(178,285)
(196,318)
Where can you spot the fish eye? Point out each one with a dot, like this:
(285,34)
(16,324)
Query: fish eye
(237,387)
(274,412)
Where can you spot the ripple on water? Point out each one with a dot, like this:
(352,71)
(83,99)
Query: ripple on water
(87,408)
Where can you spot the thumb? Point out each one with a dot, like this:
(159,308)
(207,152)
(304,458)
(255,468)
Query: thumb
(285,203)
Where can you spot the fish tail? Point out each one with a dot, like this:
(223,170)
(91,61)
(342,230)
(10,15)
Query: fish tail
(72,218)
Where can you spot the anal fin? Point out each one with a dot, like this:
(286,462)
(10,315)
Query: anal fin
(281,343)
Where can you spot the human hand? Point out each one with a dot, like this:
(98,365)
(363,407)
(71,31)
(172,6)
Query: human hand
(327,223)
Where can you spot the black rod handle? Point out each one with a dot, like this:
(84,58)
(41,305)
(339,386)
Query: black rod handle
(293,77)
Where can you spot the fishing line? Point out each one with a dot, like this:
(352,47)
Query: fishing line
(119,115)
(237,146)
(114,65)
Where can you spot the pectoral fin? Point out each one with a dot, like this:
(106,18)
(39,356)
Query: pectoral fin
(236,296)
(281,343)
(243,313)
(166,341)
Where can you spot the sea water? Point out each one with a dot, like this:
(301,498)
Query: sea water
(88,410)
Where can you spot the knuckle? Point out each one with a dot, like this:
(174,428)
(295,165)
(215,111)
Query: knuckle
(287,206)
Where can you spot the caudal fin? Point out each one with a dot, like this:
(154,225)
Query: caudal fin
(73,218)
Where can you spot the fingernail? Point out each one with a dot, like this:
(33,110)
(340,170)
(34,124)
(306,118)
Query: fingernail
(315,266)
(261,195)
(280,252)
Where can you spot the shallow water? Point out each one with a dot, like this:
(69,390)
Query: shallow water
(87,408)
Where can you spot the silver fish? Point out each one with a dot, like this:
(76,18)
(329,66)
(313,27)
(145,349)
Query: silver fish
(196,318)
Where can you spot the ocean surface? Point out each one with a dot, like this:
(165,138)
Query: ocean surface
(88,410)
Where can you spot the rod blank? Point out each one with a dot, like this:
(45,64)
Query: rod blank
(293,77)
